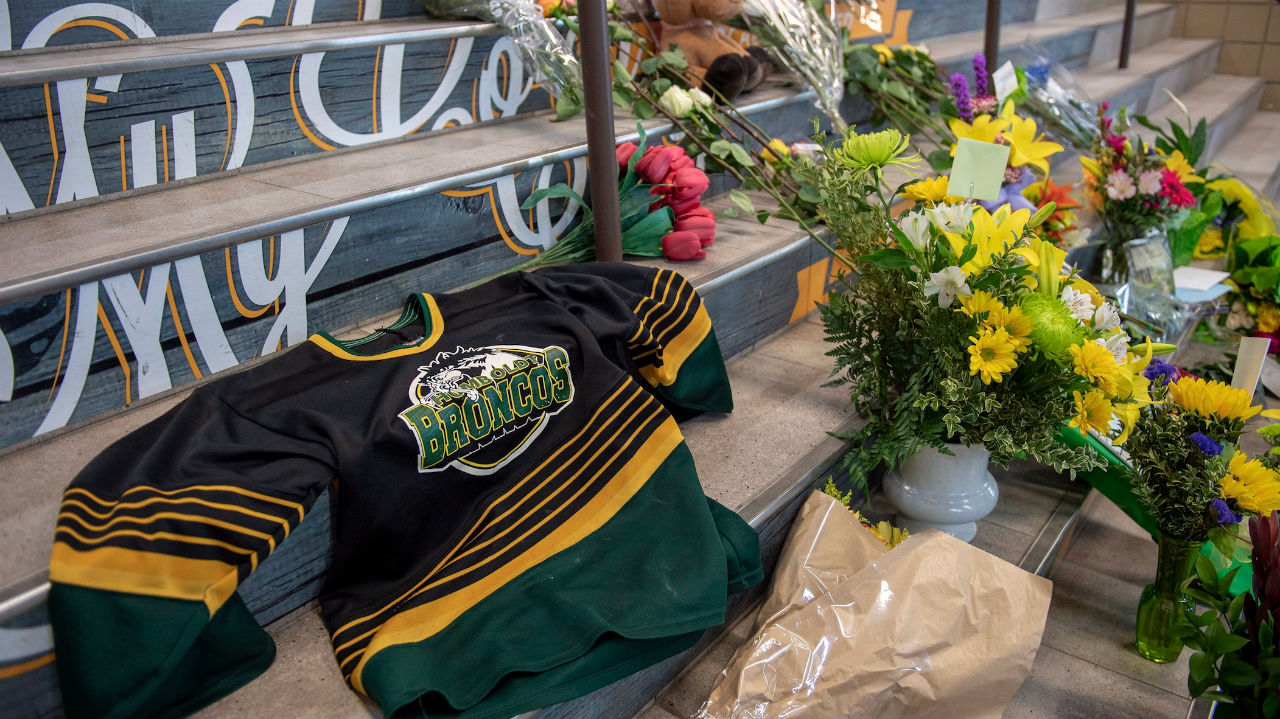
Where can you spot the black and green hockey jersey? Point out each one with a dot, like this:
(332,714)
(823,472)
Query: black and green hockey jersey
(517,519)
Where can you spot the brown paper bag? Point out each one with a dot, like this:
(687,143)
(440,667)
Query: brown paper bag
(934,627)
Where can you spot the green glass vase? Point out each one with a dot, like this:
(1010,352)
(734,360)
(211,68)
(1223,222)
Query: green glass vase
(1162,603)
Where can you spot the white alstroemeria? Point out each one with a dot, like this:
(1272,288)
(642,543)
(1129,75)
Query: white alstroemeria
(1080,304)
(676,101)
(1075,237)
(1105,318)
(1118,345)
(700,98)
(952,218)
(916,227)
(947,284)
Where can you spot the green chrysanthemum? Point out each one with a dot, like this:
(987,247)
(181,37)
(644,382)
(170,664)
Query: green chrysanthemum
(862,152)
(1053,328)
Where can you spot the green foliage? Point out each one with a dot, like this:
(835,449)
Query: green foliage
(902,89)
(1177,138)
(1237,656)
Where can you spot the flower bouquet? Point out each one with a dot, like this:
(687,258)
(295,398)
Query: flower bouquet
(961,326)
(1133,189)
(1188,474)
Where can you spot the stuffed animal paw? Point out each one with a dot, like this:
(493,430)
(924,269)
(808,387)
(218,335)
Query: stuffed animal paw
(722,64)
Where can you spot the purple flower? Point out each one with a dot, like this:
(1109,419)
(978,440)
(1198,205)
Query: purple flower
(981,78)
(1226,517)
(960,91)
(1159,369)
(1208,445)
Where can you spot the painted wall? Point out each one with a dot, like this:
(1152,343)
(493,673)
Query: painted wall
(1250,34)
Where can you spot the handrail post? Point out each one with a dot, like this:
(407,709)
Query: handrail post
(991,36)
(1126,37)
(597,87)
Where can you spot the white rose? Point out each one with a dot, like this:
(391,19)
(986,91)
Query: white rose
(700,98)
(676,101)
(920,48)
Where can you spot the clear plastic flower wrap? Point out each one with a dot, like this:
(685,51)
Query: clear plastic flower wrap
(804,42)
(541,46)
(1051,95)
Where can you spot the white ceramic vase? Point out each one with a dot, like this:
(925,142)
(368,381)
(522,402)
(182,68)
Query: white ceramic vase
(945,492)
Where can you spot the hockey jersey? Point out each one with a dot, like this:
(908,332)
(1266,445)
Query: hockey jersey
(517,520)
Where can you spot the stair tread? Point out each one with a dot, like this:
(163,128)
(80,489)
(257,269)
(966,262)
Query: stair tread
(1211,99)
(46,251)
(1254,152)
(1105,79)
(37,65)
(955,46)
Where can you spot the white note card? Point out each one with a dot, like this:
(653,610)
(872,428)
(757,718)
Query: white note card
(1197,278)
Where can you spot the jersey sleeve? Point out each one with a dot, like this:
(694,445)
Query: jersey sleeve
(152,539)
(660,323)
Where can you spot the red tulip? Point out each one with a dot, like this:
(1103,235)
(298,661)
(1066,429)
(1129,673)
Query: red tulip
(680,159)
(682,245)
(656,163)
(688,182)
(697,212)
(624,153)
(680,208)
(703,227)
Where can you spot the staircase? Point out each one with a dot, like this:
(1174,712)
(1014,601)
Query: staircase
(188,192)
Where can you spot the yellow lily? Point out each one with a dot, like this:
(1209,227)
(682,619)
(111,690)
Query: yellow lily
(1131,385)
(1092,167)
(992,234)
(1128,415)
(1047,259)
(984,129)
(1027,149)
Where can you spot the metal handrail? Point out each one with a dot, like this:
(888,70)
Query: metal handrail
(1126,35)
(597,87)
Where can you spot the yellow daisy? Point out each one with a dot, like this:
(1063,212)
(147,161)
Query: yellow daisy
(1178,163)
(984,129)
(980,302)
(1014,323)
(991,353)
(932,190)
(1093,412)
(1251,485)
(1095,363)
(886,55)
(1027,148)
(993,234)
(1212,400)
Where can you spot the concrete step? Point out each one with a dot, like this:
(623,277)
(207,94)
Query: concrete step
(1253,153)
(754,475)
(1227,102)
(1176,64)
(1075,40)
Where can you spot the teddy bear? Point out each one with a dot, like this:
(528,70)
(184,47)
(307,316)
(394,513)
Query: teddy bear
(721,64)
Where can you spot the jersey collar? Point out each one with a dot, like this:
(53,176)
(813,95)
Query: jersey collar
(420,312)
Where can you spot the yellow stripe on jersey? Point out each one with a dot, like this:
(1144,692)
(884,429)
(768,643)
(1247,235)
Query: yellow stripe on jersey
(130,571)
(425,621)
(293,506)
(678,350)
(148,519)
(181,500)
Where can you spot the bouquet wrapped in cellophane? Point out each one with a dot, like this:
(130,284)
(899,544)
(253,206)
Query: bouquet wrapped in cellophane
(541,46)
(805,43)
(962,326)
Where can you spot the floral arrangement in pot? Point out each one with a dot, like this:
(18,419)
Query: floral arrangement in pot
(1133,189)
(962,331)
(1189,475)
